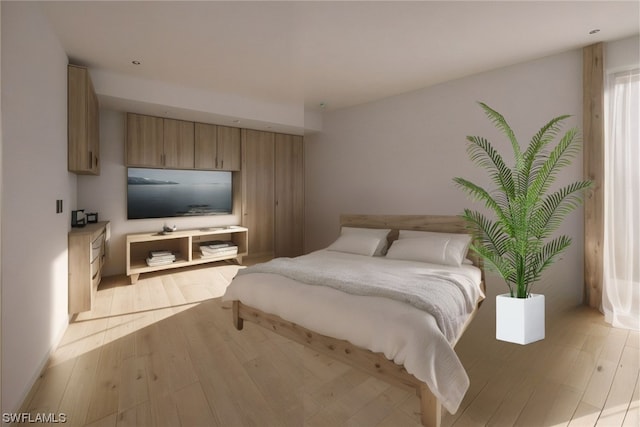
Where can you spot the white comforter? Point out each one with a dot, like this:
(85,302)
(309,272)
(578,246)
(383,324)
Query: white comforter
(403,333)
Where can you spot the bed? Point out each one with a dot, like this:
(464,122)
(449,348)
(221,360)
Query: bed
(375,310)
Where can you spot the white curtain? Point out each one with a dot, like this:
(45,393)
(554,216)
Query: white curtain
(621,281)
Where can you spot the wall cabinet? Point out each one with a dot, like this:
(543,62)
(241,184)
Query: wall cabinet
(87,251)
(178,144)
(217,147)
(156,142)
(83,127)
(273,193)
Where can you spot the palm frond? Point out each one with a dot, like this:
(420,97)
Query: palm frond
(483,154)
(479,193)
(545,258)
(539,141)
(491,234)
(500,122)
(560,157)
(551,211)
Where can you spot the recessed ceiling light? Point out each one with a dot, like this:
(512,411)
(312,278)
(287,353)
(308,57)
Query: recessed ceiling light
(236,121)
(136,62)
(594,31)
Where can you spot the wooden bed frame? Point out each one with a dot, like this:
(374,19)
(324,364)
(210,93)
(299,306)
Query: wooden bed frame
(375,364)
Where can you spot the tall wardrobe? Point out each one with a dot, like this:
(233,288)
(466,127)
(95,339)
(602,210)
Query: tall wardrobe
(273,193)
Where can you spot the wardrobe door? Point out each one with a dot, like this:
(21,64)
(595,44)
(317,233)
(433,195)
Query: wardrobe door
(258,191)
(289,195)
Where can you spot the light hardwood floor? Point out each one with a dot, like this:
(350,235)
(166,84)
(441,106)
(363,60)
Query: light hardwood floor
(163,352)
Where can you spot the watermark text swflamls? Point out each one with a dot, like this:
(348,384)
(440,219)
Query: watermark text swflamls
(35,418)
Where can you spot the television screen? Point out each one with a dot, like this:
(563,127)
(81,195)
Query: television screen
(161,193)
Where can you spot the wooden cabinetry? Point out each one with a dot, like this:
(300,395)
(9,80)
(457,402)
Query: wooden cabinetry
(217,147)
(185,245)
(258,196)
(289,196)
(178,144)
(83,123)
(144,140)
(158,143)
(273,193)
(87,250)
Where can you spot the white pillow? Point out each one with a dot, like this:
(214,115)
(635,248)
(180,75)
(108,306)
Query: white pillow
(361,241)
(425,246)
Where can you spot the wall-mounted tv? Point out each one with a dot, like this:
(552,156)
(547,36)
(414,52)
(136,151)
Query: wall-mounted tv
(163,193)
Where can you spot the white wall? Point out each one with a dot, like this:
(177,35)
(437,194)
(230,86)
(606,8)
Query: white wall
(622,54)
(106,194)
(399,155)
(34,175)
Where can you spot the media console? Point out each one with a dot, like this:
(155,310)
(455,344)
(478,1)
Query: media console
(184,244)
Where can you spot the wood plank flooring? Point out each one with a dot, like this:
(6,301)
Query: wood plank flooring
(163,352)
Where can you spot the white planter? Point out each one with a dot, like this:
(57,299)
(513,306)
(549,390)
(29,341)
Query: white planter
(520,320)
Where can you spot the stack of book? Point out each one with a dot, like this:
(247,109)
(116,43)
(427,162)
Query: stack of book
(160,258)
(218,248)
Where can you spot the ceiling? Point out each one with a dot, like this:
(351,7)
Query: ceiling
(326,55)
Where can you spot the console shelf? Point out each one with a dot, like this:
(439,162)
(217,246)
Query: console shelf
(184,244)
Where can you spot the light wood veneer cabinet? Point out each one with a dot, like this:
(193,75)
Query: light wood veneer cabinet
(258,192)
(87,250)
(159,143)
(217,147)
(83,126)
(289,195)
(273,193)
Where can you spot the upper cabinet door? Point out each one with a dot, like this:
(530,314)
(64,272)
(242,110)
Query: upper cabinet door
(228,157)
(217,147)
(83,129)
(144,141)
(206,141)
(178,144)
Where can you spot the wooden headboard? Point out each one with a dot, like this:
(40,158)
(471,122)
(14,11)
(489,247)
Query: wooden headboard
(435,223)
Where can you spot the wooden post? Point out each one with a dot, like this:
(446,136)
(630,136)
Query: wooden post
(593,139)
(430,408)
(238,323)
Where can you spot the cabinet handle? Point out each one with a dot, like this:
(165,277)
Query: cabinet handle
(90,158)
(222,164)
(216,165)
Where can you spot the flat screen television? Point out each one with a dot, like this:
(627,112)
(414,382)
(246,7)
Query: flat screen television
(163,193)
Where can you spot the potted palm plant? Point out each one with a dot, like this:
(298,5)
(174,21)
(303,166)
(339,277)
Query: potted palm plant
(517,242)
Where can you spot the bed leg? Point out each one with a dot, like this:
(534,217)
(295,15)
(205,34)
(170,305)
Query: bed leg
(237,320)
(430,408)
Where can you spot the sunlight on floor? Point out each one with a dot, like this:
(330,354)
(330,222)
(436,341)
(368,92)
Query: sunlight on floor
(121,309)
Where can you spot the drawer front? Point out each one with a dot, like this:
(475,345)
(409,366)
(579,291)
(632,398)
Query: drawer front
(97,248)
(95,267)
(95,278)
